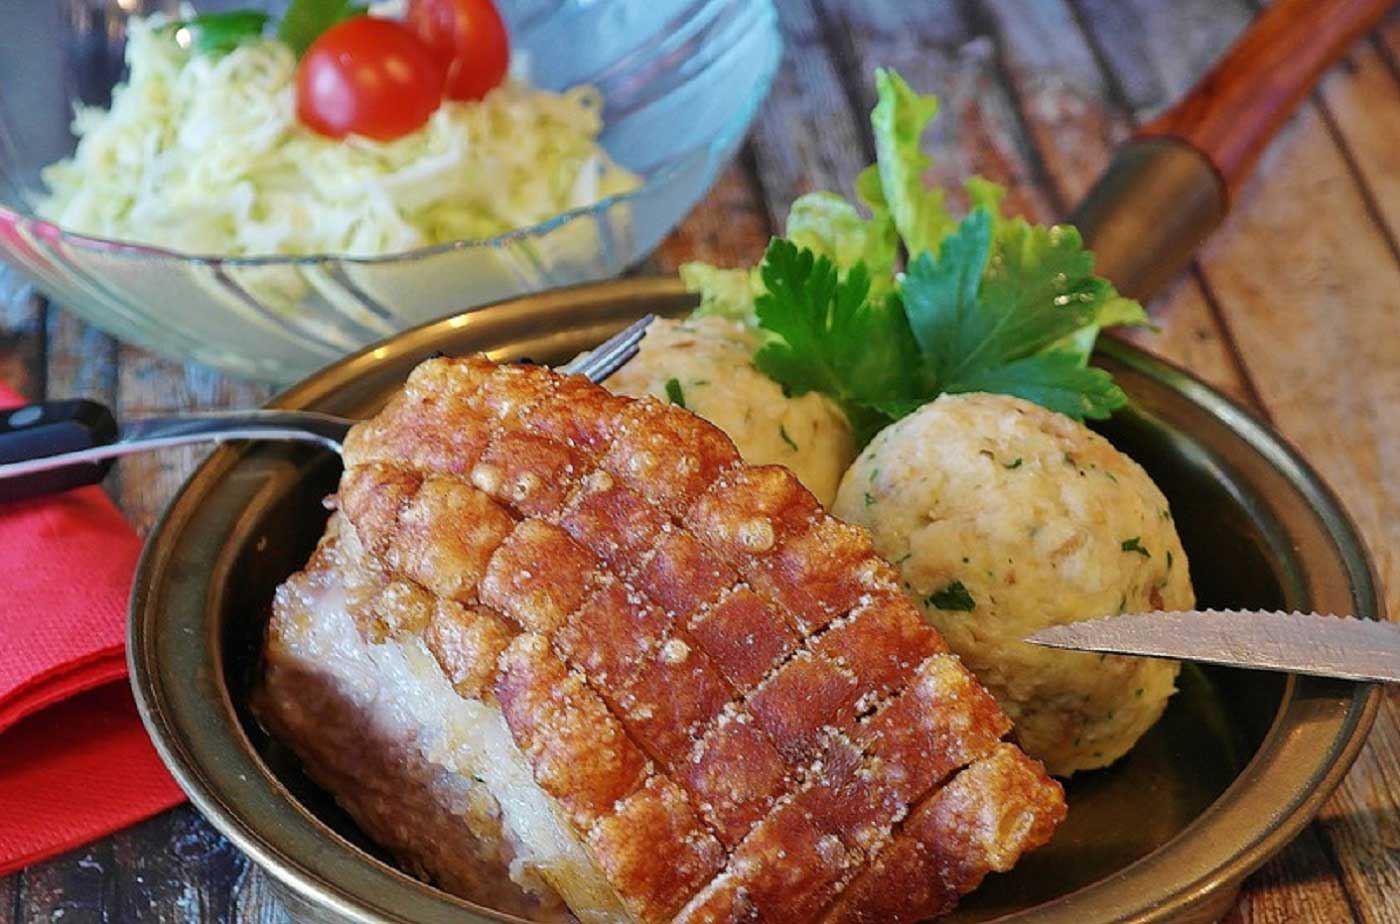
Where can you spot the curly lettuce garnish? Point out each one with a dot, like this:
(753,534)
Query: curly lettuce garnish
(987,302)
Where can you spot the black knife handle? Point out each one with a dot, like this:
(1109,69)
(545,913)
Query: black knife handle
(34,431)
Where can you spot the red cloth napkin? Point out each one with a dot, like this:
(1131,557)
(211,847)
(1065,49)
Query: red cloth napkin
(75,762)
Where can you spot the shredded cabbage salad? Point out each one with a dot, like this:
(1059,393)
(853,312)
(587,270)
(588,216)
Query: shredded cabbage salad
(205,154)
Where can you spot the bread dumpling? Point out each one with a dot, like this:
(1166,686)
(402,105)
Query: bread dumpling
(707,363)
(1004,518)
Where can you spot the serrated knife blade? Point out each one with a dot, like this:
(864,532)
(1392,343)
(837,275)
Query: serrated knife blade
(1301,643)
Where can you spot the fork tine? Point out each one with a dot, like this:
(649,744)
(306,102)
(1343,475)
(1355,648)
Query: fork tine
(612,354)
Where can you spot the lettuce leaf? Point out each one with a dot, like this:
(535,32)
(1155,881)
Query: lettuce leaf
(831,227)
(898,120)
(724,293)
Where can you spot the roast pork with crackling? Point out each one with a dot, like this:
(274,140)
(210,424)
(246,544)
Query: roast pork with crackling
(563,653)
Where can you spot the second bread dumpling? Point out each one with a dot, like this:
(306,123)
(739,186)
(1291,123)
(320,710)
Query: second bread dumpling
(1004,518)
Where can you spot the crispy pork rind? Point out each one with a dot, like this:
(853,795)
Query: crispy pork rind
(720,685)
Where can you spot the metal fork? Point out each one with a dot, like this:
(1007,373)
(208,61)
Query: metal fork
(37,442)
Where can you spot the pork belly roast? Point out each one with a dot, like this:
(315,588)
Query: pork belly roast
(563,654)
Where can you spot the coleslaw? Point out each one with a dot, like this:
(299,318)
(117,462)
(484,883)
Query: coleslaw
(204,154)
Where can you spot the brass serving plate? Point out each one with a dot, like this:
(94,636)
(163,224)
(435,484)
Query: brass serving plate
(1237,767)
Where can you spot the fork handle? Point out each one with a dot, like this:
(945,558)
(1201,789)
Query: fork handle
(35,431)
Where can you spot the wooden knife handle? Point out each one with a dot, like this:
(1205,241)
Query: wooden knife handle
(1234,111)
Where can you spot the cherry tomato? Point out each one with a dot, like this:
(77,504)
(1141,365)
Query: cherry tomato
(370,77)
(471,40)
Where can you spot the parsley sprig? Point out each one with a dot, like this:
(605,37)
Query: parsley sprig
(301,24)
(828,335)
(220,33)
(987,303)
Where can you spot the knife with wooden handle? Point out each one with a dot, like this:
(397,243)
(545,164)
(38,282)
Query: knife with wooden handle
(1173,182)
(1299,643)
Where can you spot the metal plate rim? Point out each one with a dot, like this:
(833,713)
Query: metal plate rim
(1129,896)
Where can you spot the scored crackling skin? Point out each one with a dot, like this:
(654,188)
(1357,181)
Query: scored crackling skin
(722,686)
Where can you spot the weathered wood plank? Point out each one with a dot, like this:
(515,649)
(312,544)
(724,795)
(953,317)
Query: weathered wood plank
(174,869)
(11,901)
(75,888)
(807,135)
(1387,41)
(21,336)
(1157,51)
(80,360)
(1064,101)
(1362,104)
(1290,889)
(730,227)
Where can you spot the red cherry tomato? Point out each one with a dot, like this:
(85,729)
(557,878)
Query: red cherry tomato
(471,40)
(370,77)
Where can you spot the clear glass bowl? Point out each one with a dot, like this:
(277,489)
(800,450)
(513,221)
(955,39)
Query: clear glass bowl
(681,80)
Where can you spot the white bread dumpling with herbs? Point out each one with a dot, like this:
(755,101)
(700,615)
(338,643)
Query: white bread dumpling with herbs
(706,364)
(1004,518)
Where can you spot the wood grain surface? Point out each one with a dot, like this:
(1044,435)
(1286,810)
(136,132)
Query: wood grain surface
(1293,308)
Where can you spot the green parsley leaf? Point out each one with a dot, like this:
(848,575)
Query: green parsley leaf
(994,300)
(828,336)
(1014,463)
(1116,311)
(674,393)
(782,431)
(305,20)
(1135,545)
(1039,287)
(941,301)
(1053,380)
(220,33)
(953,597)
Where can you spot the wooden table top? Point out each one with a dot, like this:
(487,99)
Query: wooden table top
(1292,308)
